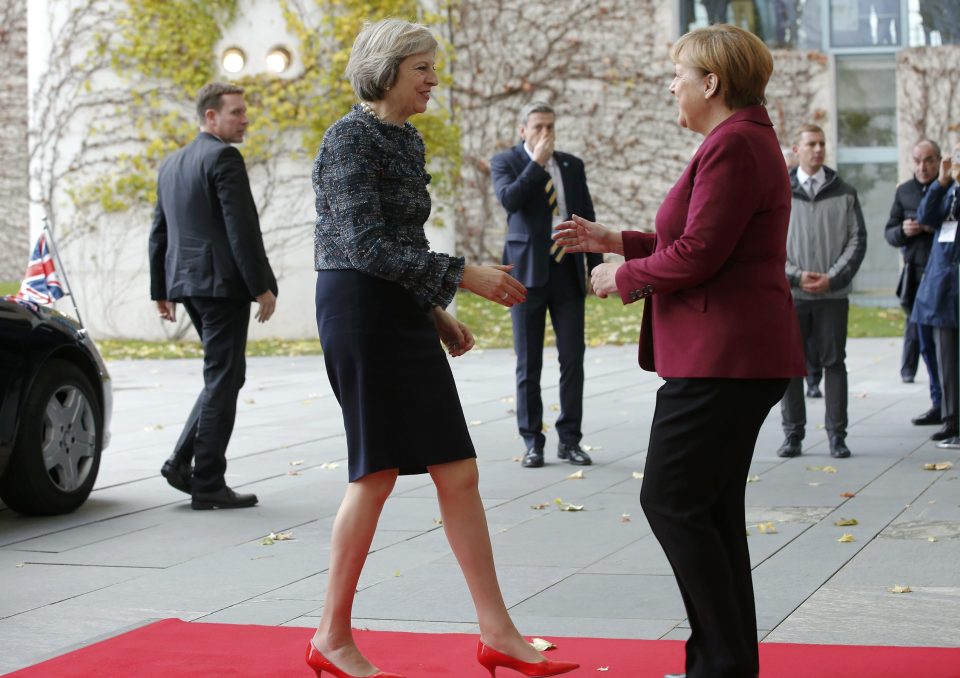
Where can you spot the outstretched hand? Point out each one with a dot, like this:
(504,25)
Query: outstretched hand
(580,235)
(494,283)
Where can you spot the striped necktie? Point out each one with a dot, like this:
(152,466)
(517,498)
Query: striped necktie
(556,251)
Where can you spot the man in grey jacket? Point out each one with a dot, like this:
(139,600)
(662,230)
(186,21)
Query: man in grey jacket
(826,242)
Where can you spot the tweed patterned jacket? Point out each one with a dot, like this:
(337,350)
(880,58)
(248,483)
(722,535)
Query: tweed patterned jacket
(370,181)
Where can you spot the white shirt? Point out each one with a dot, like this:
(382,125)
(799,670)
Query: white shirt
(820,177)
(553,169)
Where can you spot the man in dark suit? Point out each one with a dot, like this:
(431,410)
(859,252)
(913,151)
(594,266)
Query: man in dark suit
(206,252)
(540,188)
(914,240)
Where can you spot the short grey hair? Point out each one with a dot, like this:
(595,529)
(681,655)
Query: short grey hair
(534,107)
(378,51)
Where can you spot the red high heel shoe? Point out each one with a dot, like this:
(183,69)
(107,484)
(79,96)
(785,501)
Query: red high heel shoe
(319,663)
(491,660)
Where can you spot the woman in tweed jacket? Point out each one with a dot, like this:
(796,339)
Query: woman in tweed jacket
(381,295)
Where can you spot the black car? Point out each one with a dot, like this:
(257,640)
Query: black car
(56,402)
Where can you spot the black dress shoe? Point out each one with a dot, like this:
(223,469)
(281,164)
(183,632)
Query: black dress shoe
(948,431)
(813,391)
(221,499)
(790,447)
(573,454)
(179,475)
(838,448)
(929,418)
(533,458)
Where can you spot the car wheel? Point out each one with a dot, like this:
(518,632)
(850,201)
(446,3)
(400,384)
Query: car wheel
(56,455)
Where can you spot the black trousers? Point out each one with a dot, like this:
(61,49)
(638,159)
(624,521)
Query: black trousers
(222,326)
(564,299)
(947,342)
(701,444)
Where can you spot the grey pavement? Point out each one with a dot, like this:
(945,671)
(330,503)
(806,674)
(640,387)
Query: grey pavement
(136,552)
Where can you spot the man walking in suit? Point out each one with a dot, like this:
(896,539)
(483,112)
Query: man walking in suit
(206,252)
(540,188)
(826,241)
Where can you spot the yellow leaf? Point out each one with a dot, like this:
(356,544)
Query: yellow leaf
(329,465)
(767,528)
(931,538)
(298,462)
(845,522)
(753,479)
(541,645)
(266,541)
(577,475)
(899,588)
(829,469)
(637,475)
(396,573)
(846,539)
(438,521)
(939,466)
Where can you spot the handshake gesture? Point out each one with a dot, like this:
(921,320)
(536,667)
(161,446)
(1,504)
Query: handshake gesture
(580,235)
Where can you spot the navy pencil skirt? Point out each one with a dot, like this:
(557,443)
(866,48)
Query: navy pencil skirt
(390,375)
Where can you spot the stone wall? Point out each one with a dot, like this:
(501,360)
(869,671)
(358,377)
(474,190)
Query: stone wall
(14,227)
(928,96)
(604,65)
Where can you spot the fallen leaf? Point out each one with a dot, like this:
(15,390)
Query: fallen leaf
(540,507)
(862,395)
(517,458)
(155,427)
(298,462)
(294,473)
(591,448)
(931,538)
(846,539)
(767,528)
(476,422)
(20,564)
(267,541)
(939,466)
(330,465)
(567,506)
(829,469)
(625,518)
(753,479)
(637,475)
(555,407)
(899,588)
(249,401)
(438,521)
(541,645)
(814,484)
(845,522)
(577,475)
(396,573)
(848,495)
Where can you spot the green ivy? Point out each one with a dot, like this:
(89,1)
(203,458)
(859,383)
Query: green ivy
(170,44)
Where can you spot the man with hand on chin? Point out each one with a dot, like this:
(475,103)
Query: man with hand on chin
(539,188)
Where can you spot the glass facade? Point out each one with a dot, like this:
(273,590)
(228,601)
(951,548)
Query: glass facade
(849,24)
(866,102)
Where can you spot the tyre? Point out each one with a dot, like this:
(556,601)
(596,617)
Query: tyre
(56,455)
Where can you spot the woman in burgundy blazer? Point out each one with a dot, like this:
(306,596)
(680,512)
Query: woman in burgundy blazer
(719,327)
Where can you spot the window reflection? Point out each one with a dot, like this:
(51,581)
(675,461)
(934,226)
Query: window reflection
(866,111)
(865,23)
(934,22)
(780,23)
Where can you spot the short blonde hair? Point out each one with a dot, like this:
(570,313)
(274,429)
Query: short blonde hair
(738,58)
(808,127)
(378,51)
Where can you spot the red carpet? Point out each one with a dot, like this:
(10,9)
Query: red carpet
(173,648)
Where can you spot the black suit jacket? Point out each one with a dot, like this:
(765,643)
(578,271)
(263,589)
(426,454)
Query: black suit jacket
(206,239)
(916,250)
(519,183)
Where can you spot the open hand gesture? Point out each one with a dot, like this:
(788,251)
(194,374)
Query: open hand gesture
(580,235)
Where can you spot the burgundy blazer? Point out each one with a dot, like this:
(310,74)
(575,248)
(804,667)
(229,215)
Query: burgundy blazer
(719,303)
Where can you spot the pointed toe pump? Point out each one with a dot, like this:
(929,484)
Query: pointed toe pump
(319,663)
(491,660)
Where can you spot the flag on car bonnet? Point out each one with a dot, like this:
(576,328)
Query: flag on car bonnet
(41,284)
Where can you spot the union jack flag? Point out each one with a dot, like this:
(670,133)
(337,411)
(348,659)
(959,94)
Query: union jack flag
(41,285)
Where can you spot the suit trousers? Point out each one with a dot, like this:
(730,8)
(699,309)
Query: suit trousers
(823,326)
(222,325)
(947,342)
(928,351)
(562,296)
(701,444)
